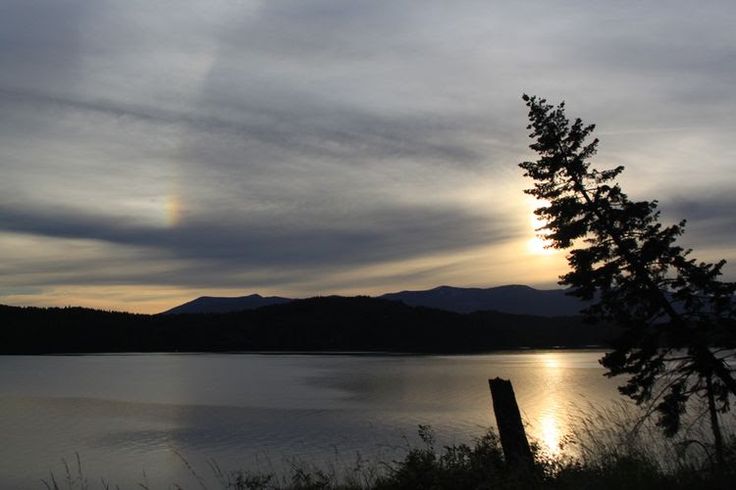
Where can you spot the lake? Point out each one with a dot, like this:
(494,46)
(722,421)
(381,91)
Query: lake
(133,417)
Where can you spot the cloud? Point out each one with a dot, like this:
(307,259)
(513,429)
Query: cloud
(710,218)
(381,234)
(343,134)
(325,142)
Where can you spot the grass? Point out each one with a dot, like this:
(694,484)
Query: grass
(614,449)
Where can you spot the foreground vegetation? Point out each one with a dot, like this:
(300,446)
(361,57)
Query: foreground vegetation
(612,450)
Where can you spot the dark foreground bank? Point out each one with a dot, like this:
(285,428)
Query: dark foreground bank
(469,467)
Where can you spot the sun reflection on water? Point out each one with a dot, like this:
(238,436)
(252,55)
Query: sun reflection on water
(551,421)
(551,362)
(550,432)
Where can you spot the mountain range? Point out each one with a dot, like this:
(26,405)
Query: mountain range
(320,324)
(513,299)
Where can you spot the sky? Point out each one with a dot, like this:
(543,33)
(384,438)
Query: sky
(155,151)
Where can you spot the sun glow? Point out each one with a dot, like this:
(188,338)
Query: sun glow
(537,245)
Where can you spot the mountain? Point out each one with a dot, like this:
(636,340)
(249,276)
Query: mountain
(211,304)
(514,299)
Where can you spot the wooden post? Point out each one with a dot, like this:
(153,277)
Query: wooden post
(510,427)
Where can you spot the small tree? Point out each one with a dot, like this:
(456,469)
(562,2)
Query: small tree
(677,318)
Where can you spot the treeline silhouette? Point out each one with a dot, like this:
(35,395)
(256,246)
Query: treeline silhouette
(316,324)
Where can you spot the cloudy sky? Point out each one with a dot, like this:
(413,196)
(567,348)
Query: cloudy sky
(154,151)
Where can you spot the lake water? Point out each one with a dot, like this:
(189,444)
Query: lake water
(131,418)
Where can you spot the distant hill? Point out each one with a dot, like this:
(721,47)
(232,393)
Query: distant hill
(212,304)
(515,299)
(316,324)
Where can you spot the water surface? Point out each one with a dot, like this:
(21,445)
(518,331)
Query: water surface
(126,415)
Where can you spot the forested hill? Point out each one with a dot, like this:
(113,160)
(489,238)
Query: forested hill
(316,324)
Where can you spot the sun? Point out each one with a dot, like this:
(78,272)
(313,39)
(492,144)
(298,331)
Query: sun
(537,245)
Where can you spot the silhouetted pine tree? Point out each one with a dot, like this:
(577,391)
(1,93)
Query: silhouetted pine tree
(678,318)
